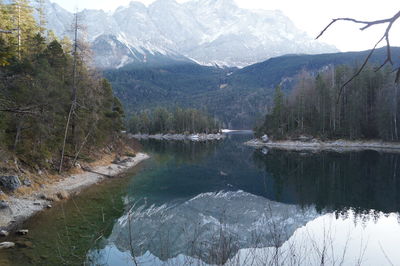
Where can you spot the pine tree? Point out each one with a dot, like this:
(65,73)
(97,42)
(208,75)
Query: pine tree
(24,24)
(277,111)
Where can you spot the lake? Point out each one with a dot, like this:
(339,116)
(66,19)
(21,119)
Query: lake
(226,203)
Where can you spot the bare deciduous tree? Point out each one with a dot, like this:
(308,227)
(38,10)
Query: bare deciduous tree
(70,118)
(366,25)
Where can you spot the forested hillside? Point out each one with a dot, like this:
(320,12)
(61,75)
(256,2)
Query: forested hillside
(275,70)
(238,98)
(367,108)
(53,107)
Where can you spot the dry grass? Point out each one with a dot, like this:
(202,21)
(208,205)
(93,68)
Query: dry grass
(103,160)
(3,197)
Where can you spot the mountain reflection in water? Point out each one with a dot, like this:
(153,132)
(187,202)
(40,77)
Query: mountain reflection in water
(216,203)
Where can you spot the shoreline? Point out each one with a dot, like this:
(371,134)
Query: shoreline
(20,208)
(179,137)
(333,145)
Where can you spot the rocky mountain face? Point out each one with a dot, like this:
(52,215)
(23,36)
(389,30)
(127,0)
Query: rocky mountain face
(210,32)
(238,219)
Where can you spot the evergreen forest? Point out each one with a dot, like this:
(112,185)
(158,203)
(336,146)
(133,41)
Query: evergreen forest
(53,107)
(178,121)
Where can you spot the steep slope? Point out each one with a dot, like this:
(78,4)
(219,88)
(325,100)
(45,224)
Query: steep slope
(242,37)
(207,31)
(115,52)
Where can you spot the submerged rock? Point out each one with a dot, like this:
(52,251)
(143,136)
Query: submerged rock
(24,244)
(11,182)
(62,195)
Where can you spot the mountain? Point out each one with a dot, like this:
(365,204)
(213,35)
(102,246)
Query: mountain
(238,97)
(210,32)
(272,72)
(197,223)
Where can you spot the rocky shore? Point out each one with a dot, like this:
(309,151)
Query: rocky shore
(16,209)
(179,137)
(318,145)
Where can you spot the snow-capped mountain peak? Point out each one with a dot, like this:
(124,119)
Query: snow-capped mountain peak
(208,31)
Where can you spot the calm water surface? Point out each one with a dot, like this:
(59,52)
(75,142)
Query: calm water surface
(225,203)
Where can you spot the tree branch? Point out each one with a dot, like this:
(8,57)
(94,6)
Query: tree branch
(7,31)
(368,24)
(30,110)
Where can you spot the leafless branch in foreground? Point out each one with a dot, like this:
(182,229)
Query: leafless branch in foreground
(367,24)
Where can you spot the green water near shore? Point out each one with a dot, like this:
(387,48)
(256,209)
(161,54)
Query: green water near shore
(63,235)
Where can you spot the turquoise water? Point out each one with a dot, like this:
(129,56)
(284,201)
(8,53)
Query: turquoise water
(225,203)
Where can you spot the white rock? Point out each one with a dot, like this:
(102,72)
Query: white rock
(5,245)
(265,138)
(23,232)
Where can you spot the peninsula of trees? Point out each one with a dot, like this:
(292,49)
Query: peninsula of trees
(367,108)
(178,121)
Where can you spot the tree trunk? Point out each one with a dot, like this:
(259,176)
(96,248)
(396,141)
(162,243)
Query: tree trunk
(17,135)
(395,112)
(74,78)
(65,136)
(19,32)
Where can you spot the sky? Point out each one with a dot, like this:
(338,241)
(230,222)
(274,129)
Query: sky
(310,16)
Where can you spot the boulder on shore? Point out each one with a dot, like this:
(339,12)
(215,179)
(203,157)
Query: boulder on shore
(3,205)
(5,212)
(10,182)
(22,232)
(5,245)
(304,138)
(27,182)
(265,138)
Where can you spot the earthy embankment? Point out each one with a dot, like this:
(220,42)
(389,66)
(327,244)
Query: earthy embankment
(22,207)
(336,145)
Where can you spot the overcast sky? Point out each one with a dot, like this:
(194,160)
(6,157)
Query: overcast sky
(310,16)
